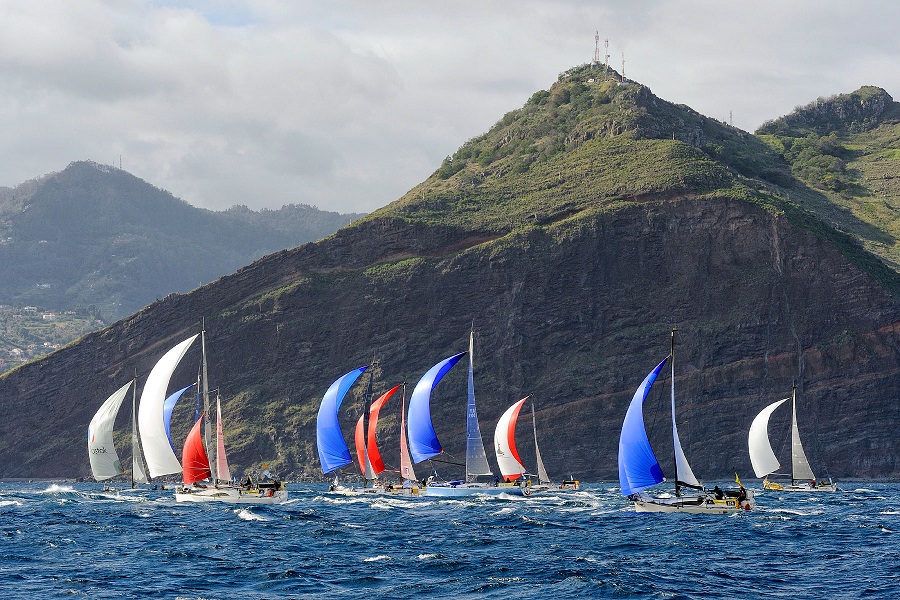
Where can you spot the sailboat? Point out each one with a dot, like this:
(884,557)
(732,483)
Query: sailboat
(333,450)
(105,463)
(160,454)
(639,469)
(511,465)
(424,444)
(765,463)
(370,462)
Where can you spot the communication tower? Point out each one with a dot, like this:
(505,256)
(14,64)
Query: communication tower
(596,47)
(623,67)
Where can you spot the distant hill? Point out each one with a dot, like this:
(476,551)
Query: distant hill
(574,235)
(96,236)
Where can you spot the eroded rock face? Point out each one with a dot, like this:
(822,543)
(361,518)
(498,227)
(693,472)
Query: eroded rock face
(573,313)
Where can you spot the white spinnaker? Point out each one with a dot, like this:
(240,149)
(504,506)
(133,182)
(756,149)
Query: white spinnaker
(504,441)
(762,457)
(101,451)
(160,457)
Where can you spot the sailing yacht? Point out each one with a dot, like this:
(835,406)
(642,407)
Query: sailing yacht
(105,463)
(508,460)
(197,467)
(424,444)
(639,469)
(765,463)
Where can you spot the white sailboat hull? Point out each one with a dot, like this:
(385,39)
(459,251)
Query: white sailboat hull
(378,490)
(231,495)
(803,487)
(695,504)
(459,490)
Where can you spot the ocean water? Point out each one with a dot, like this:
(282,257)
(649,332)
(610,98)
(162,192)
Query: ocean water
(74,540)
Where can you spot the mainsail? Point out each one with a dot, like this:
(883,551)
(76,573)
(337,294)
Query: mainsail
(508,459)
(222,471)
(762,457)
(101,451)
(638,467)
(800,468)
(161,459)
(333,450)
(137,461)
(423,441)
(406,466)
(476,458)
(683,473)
(542,472)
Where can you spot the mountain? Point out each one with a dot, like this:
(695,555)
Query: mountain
(96,236)
(573,235)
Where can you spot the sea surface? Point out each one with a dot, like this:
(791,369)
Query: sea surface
(74,540)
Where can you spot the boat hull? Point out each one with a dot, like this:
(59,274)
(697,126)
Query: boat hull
(450,490)
(697,504)
(376,491)
(804,487)
(231,495)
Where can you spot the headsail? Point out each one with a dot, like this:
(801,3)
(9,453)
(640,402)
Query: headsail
(333,450)
(542,472)
(101,451)
(193,456)
(762,457)
(423,442)
(800,468)
(476,458)
(508,459)
(638,467)
(161,459)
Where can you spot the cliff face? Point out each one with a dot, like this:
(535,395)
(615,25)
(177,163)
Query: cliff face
(574,314)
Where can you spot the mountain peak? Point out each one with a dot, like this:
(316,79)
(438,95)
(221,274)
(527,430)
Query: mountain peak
(855,112)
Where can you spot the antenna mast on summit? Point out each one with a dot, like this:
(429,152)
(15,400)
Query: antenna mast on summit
(596,47)
(623,67)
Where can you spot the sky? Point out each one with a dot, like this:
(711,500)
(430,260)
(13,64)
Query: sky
(347,104)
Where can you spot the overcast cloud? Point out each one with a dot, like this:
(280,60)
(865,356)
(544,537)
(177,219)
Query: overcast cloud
(346,105)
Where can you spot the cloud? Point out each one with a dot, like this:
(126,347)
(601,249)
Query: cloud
(348,104)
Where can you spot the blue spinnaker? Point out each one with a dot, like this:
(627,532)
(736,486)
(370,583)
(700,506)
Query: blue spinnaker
(638,467)
(423,442)
(168,406)
(333,450)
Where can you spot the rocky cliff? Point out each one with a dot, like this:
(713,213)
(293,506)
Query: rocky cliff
(573,270)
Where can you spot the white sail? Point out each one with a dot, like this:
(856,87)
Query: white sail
(476,458)
(683,470)
(505,444)
(161,459)
(762,457)
(101,451)
(542,472)
(137,462)
(223,473)
(800,468)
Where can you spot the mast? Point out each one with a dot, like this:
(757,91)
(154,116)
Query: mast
(210,448)
(675,441)
(134,459)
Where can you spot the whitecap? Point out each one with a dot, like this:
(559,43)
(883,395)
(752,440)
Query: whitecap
(10,503)
(58,489)
(429,556)
(377,558)
(246,515)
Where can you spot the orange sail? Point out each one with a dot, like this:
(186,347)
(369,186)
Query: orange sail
(371,447)
(194,461)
